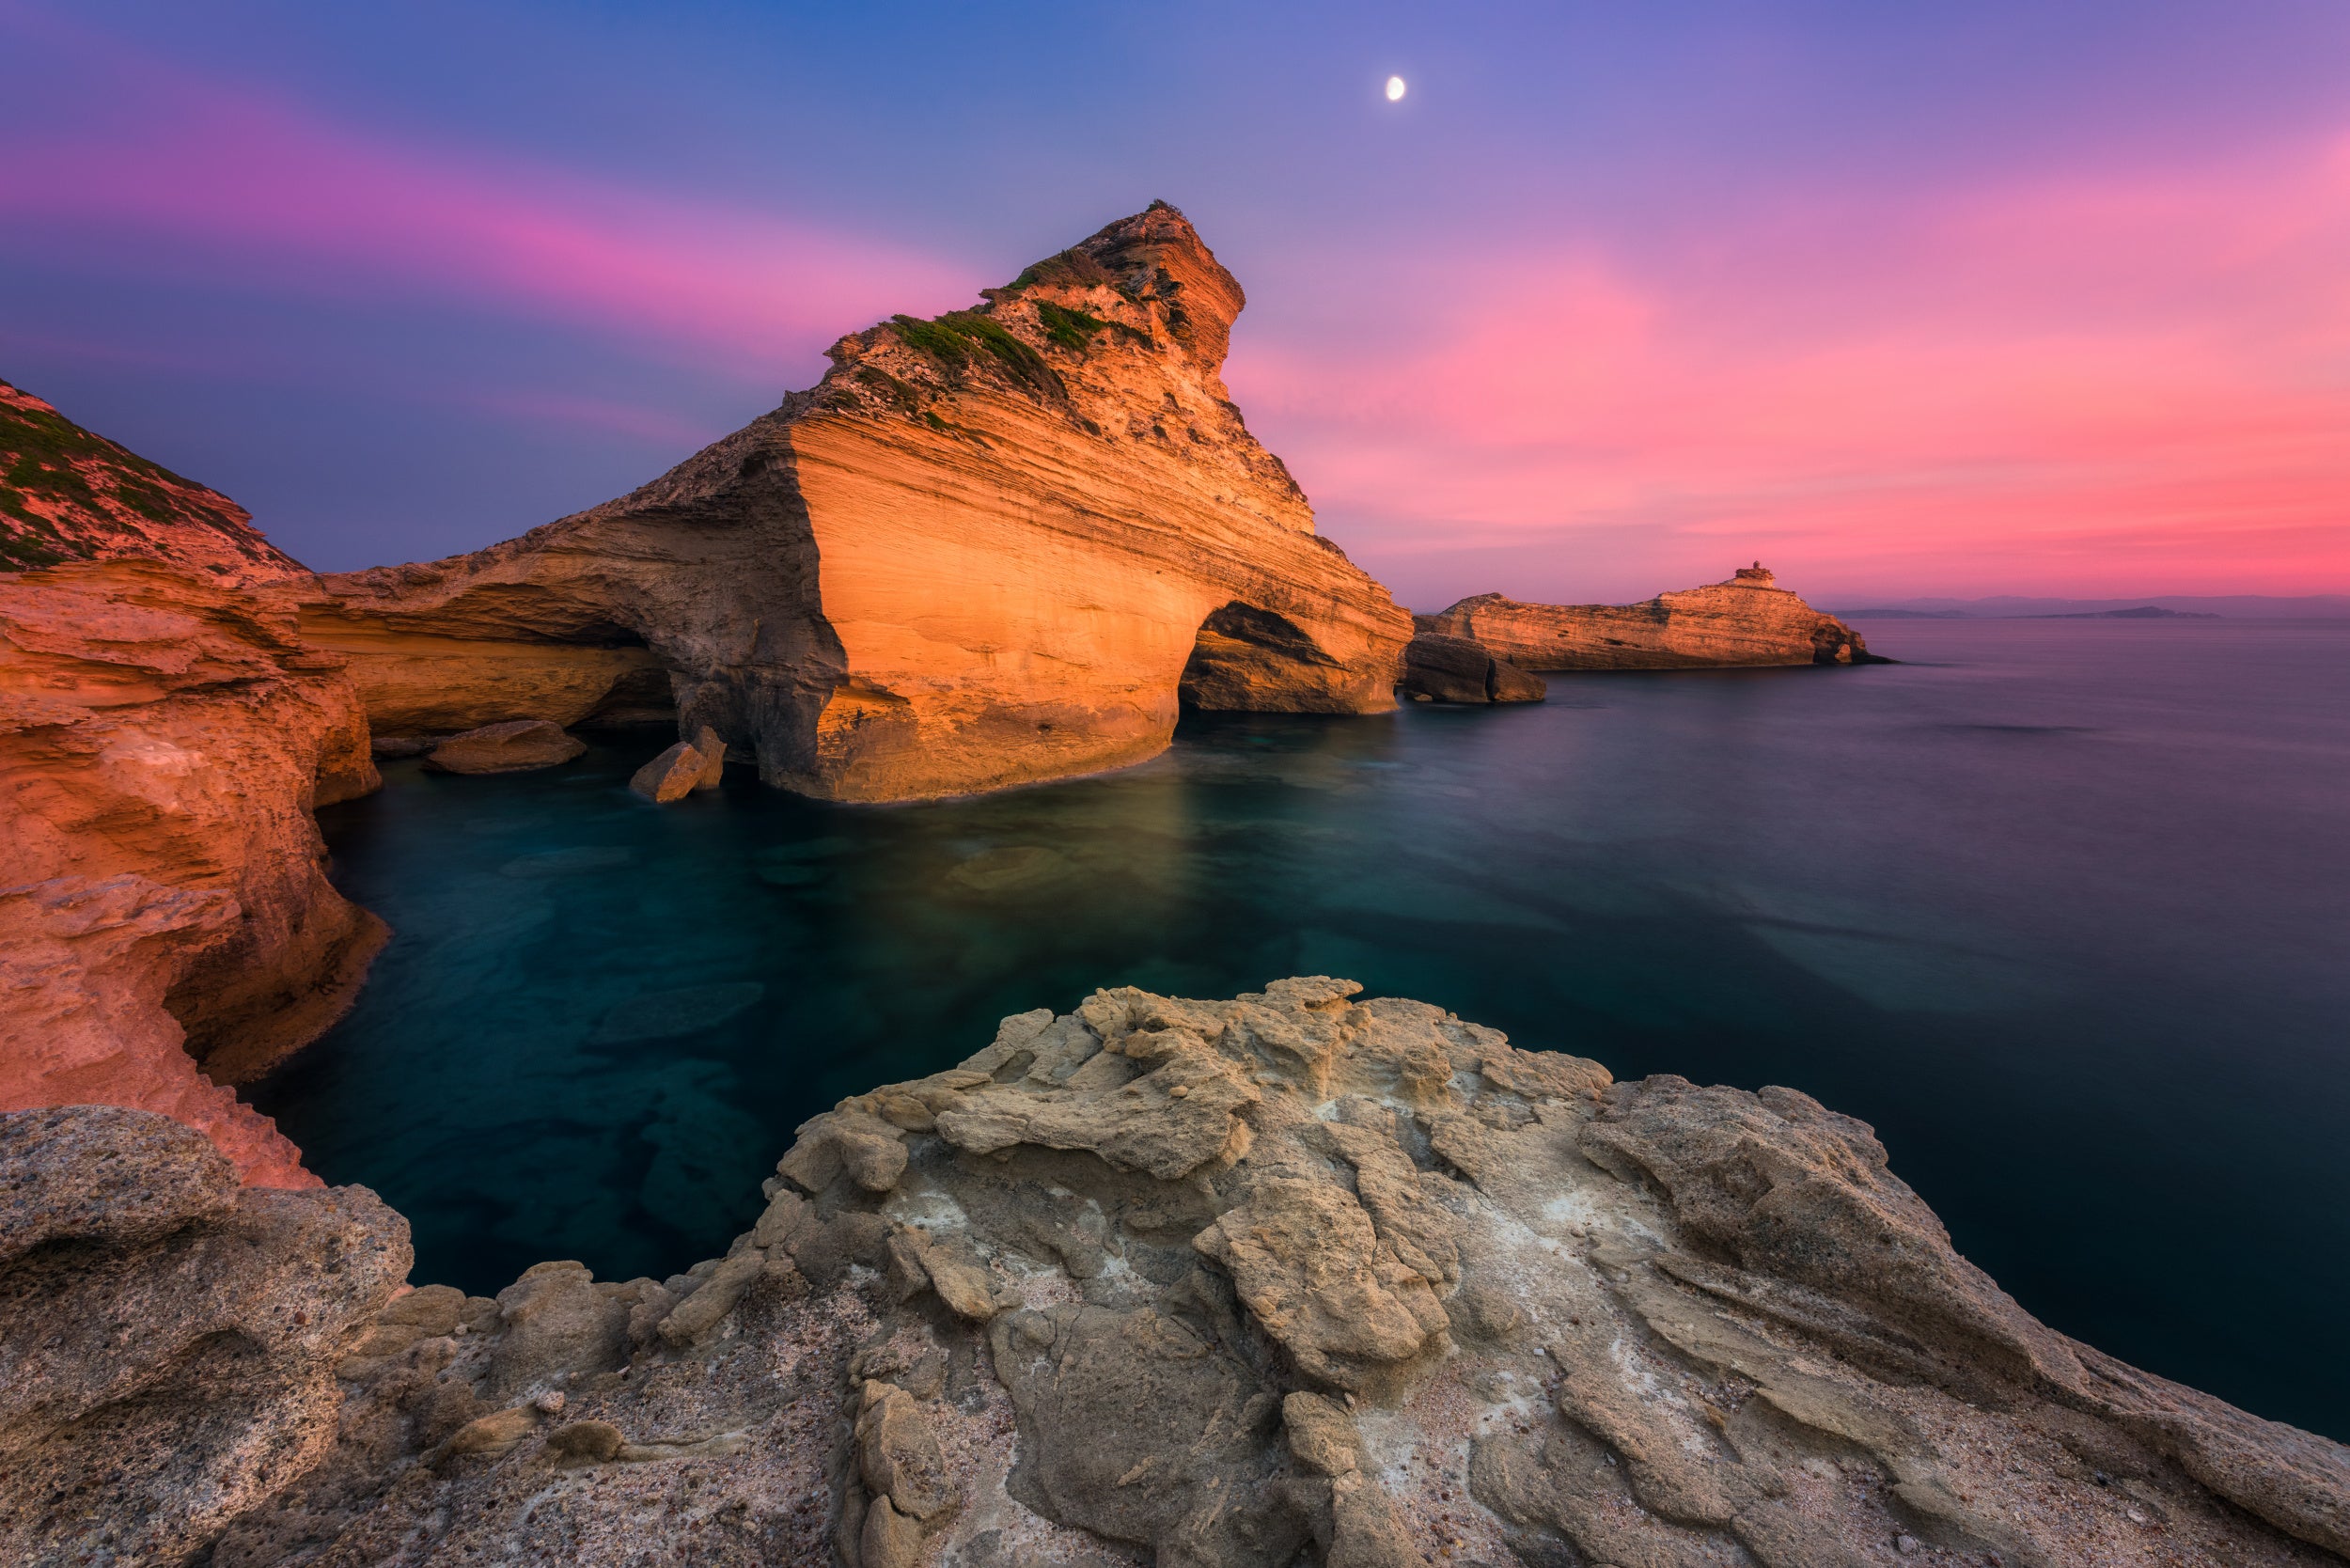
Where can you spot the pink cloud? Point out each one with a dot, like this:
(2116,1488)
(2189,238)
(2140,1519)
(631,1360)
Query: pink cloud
(599,414)
(214,180)
(2116,387)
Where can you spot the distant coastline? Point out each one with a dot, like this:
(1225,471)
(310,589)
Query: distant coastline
(2241,606)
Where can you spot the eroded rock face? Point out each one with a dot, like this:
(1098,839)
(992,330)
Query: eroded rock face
(1747,620)
(162,741)
(1290,1277)
(67,494)
(999,546)
(1440,669)
(167,1338)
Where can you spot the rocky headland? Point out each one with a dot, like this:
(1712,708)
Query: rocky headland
(1002,545)
(1747,620)
(1290,1278)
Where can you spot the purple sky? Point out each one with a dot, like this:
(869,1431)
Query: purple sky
(2011,297)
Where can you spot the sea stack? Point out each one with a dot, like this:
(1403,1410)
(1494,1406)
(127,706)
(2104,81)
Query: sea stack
(1003,545)
(1748,618)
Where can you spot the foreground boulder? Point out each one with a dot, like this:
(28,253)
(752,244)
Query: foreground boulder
(1438,669)
(1747,620)
(1294,1277)
(1004,545)
(517,745)
(163,741)
(167,1338)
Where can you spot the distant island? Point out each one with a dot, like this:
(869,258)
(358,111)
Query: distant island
(2144,612)
(1901,615)
(2009,606)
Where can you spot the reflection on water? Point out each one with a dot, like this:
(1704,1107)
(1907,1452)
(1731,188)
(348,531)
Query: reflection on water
(2058,906)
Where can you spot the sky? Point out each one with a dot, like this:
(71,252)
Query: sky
(1901,300)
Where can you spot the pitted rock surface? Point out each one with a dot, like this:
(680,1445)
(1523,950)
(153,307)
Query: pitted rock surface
(1376,1288)
(167,1338)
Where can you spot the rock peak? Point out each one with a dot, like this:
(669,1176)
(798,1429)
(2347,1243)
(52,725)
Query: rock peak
(1153,261)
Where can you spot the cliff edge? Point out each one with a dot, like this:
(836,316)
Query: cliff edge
(166,926)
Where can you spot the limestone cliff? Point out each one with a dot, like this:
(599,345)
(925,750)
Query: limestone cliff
(998,546)
(69,496)
(1290,1278)
(163,741)
(1747,620)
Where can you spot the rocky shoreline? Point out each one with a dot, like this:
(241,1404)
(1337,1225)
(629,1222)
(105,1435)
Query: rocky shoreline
(1293,1278)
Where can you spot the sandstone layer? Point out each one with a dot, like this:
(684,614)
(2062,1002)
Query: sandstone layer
(1290,1278)
(164,905)
(69,496)
(1745,620)
(998,546)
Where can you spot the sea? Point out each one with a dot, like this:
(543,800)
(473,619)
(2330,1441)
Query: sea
(2062,908)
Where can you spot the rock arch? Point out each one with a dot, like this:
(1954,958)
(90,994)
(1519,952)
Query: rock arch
(1247,660)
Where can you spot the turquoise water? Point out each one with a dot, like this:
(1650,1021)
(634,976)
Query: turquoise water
(2059,906)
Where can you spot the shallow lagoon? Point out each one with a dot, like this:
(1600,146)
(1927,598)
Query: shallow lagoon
(2062,908)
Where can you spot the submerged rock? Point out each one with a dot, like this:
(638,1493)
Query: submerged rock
(1747,620)
(517,745)
(1042,526)
(1294,1277)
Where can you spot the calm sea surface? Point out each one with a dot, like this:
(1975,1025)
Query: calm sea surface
(2062,908)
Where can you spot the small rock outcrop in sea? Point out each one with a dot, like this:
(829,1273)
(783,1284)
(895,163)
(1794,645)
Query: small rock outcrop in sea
(1002,545)
(1294,1277)
(1438,669)
(163,741)
(69,496)
(516,746)
(683,769)
(670,776)
(1748,620)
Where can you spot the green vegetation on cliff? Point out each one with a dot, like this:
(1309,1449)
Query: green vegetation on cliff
(956,337)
